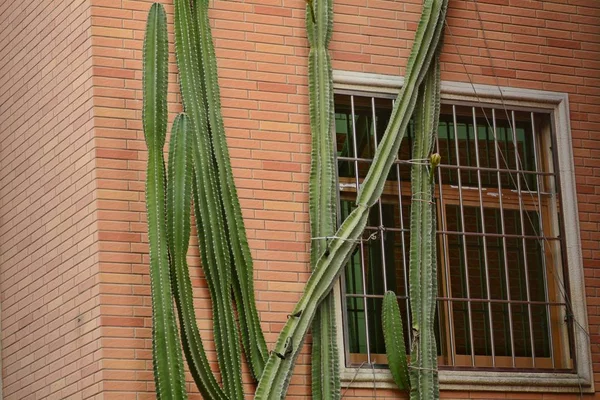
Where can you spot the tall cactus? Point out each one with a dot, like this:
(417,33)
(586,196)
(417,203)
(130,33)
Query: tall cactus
(179,193)
(322,192)
(215,243)
(243,278)
(423,268)
(275,379)
(192,169)
(423,275)
(199,168)
(168,363)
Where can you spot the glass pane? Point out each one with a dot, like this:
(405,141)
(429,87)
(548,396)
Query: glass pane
(347,174)
(521,328)
(346,207)
(373,259)
(376,340)
(539,319)
(401,254)
(357,336)
(461,327)
(343,129)
(501,321)
(405,151)
(481,329)
(353,273)
(496,268)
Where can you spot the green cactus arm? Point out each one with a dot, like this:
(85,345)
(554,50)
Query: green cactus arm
(179,190)
(212,232)
(423,267)
(322,189)
(429,32)
(322,192)
(243,282)
(325,381)
(393,335)
(275,378)
(166,353)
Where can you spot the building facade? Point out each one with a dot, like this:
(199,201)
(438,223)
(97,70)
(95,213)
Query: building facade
(518,204)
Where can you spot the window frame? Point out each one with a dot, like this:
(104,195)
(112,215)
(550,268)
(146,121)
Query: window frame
(473,380)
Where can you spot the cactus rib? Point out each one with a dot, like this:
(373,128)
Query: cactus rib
(275,379)
(166,353)
(322,192)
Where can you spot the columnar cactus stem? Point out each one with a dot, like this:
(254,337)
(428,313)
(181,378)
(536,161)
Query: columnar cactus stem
(243,279)
(423,268)
(423,275)
(179,193)
(322,192)
(199,166)
(275,379)
(166,353)
(212,235)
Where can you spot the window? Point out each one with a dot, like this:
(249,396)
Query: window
(502,249)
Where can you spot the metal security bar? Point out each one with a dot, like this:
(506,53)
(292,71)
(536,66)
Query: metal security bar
(498,237)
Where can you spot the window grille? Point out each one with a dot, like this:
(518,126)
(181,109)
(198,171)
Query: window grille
(501,299)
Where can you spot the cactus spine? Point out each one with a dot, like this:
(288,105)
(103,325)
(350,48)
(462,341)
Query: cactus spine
(322,192)
(168,363)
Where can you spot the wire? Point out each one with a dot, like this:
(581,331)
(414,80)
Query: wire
(353,379)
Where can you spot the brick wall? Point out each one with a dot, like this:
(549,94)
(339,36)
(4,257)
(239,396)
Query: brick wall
(261,51)
(48,239)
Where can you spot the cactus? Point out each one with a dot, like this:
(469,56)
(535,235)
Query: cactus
(322,192)
(192,170)
(199,168)
(393,334)
(275,379)
(423,275)
(212,235)
(168,362)
(179,192)
(252,335)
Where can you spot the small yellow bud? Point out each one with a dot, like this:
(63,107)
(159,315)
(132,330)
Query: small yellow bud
(435,159)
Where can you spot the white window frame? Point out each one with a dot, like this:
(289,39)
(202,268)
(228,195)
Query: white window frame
(558,103)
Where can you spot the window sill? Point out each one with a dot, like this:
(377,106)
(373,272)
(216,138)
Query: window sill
(477,381)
